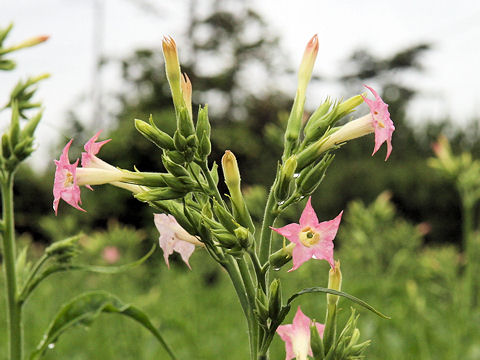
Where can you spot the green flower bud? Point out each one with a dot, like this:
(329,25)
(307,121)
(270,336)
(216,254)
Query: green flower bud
(205,147)
(349,105)
(6,150)
(15,125)
(334,283)
(224,217)
(316,343)
(225,238)
(176,156)
(158,194)
(7,65)
(31,126)
(173,168)
(23,149)
(274,299)
(184,122)
(282,190)
(281,257)
(261,311)
(310,178)
(155,135)
(318,114)
(203,123)
(244,237)
(180,141)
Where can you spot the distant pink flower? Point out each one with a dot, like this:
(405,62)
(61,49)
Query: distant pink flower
(65,185)
(111,254)
(312,239)
(297,336)
(174,238)
(382,123)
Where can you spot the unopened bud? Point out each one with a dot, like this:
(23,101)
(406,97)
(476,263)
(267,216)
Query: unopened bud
(274,299)
(316,342)
(29,129)
(155,135)
(172,67)
(226,239)
(285,178)
(187,93)
(65,249)
(243,236)
(281,257)
(180,141)
(173,168)
(159,194)
(334,283)
(306,66)
(6,149)
(184,122)
(311,177)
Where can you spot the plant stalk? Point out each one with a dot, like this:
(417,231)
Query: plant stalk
(14,310)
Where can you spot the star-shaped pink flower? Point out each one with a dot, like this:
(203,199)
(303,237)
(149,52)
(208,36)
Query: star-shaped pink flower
(174,238)
(92,148)
(382,123)
(65,185)
(312,239)
(297,336)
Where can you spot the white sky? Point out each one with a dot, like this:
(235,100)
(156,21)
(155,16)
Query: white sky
(449,86)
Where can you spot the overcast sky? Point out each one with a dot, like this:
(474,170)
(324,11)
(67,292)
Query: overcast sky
(448,87)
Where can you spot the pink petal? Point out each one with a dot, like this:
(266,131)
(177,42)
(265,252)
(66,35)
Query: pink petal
(300,254)
(301,322)
(62,186)
(285,332)
(290,231)
(380,115)
(92,148)
(308,217)
(185,249)
(320,328)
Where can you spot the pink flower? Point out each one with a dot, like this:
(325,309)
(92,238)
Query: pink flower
(174,238)
(312,239)
(92,148)
(111,254)
(382,123)
(297,336)
(65,185)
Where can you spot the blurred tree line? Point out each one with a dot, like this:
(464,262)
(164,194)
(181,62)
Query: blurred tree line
(234,63)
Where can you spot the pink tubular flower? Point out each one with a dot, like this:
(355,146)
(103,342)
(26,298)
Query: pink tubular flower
(297,336)
(312,239)
(174,238)
(382,123)
(65,185)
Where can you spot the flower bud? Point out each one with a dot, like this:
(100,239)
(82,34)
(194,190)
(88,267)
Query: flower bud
(306,66)
(155,135)
(173,168)
(30,127)
(311,177)
(14,125)
(65,249)
(172,68)
(184,122)
(244,237)
(203,123)
(334,283)
(274,299)
(225,238)
(316,342)
(158,194)
(261,311)
(285,178)
(187,93)
(314,120)
(224,217)
(180,141)
(6,150)
(231,174)
(282,256)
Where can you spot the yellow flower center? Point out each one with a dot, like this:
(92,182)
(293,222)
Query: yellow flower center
(309,237)
(68,179)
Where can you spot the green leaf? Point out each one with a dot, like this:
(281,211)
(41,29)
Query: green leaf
(339,293)
(85,309)
(60,267)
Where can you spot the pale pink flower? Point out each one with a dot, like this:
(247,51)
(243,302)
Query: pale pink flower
(382,123)
(111,254)
(297,336)
(174,238)
(312,239)
(65,185)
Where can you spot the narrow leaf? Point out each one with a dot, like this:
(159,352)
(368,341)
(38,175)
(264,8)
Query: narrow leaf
(85,309)
(339,293)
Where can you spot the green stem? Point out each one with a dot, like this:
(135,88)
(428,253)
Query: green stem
(238,283)
(14,310)
(211,183)
(258,269)
(271,213)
